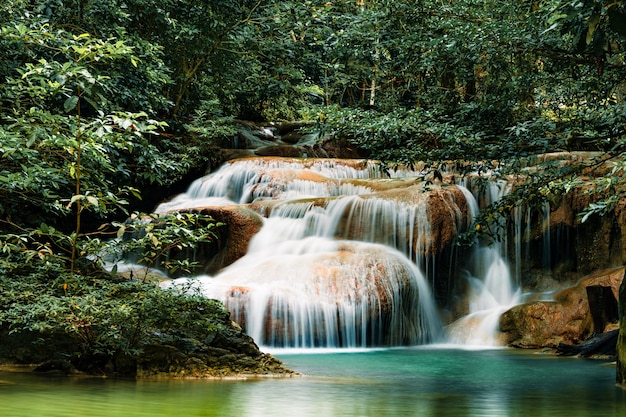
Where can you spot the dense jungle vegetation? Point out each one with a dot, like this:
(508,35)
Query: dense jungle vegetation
(103,100)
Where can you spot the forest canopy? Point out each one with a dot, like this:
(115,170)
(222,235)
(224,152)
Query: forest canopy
(101,100)
(490,74)
(147,85)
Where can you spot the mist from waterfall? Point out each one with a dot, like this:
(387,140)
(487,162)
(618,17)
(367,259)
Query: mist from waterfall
(337,264)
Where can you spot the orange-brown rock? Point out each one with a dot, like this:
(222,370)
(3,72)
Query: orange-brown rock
(433,218)
(240,225)
(567,319)
(438,213)
(280,150)
(602,242)
(356,287)
(448,212)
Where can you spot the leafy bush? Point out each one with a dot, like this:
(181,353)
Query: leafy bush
(73,156)
(93,322)
(92,318)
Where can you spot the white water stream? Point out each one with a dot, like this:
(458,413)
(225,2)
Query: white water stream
(492,289)
(336,263)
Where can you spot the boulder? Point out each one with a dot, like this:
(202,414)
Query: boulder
(240,225)
(292,138)
(228,353)
(567,319)
(286,127)
(542,324)
(281,151)
(354,295)
(421,222)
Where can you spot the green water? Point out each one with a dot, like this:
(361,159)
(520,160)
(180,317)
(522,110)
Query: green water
(400,382)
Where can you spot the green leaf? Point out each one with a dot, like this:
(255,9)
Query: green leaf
(31,140)
(93,200)
(70,103)
(74,199)
(592,25)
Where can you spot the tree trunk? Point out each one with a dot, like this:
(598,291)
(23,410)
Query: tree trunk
(621,339)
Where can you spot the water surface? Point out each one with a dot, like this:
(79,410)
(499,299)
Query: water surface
(399,382)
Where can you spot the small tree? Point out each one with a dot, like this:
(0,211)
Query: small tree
(70,158)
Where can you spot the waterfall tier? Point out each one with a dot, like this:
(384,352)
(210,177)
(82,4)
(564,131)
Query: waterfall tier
(338,256)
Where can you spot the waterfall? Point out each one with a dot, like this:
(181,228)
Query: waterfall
(492,289)
(283,297)
(547,245)
(248,180)
(338,261)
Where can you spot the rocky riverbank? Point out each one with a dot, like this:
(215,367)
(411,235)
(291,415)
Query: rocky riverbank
(570,317)
(227,354)
(161,335)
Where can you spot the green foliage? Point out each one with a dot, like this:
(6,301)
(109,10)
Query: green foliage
(398,137)
(55,132)
(91,317)
(210,125)
(607,191)
(75,149)
(93,321)
(153,239)
(595,27)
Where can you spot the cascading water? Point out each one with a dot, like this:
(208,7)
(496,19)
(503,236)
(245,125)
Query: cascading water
(491,287)
(336,261)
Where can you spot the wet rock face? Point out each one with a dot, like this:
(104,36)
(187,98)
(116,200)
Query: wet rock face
(287,139)
(241,225)
(228,353)
(567,319)
(420,219)
(419,222)
(354,296)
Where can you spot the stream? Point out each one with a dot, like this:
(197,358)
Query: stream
(423,381)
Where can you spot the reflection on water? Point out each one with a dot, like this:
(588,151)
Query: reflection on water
(401,382)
